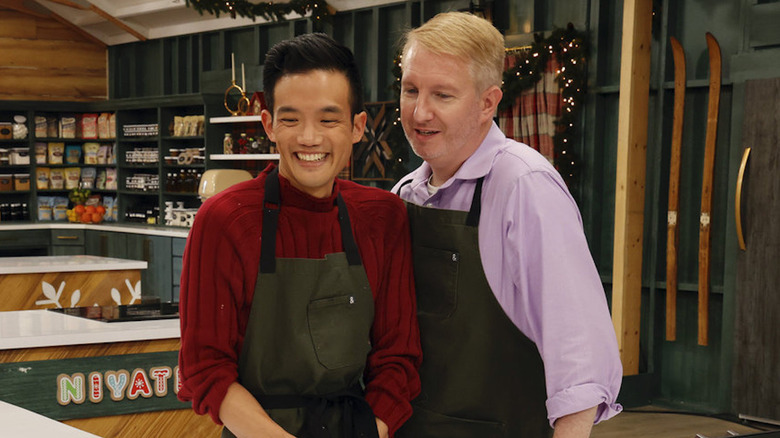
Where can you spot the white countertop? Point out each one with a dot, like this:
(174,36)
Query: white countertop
(44,328)
(121,228)
(20,423)
(77,263)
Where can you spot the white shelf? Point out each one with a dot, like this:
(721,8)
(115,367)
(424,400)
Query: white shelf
(234,119)
(243,157)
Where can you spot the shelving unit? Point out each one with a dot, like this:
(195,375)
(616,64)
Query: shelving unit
(253,162)
(138,158)
(10,197)
(171,180)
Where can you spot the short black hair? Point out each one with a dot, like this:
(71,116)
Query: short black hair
(309,52)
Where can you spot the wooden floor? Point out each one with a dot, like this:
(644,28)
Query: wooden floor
(667,425)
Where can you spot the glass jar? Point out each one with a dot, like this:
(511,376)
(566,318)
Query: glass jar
(227,144)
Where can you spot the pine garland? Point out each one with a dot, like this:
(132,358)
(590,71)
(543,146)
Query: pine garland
(269,10)
(569,47)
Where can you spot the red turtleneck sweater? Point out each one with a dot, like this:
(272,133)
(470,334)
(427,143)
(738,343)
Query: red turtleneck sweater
(220,268)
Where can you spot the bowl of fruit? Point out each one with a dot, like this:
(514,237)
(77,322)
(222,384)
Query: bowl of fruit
(86,214)
(83,210)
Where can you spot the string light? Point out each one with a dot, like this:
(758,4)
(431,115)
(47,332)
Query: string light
(569,49)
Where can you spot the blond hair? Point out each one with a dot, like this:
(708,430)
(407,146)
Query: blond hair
(467,37)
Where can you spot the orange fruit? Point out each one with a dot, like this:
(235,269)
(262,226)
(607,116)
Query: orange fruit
(86,218)
(97,218)
(89,209)
(100,209)
(79,209)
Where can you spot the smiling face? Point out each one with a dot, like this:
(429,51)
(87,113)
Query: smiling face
(313,128)
(444,116)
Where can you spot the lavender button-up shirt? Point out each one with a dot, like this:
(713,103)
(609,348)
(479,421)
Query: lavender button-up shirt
(537,262)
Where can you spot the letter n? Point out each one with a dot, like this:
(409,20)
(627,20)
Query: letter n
(70,388)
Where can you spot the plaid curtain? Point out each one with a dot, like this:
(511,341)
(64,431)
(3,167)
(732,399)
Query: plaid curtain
(531,120)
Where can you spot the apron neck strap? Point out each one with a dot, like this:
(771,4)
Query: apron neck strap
(472,219)
(347,239)
(271,206)
(398,192)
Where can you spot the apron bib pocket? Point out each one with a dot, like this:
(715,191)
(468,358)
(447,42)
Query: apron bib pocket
(333,323)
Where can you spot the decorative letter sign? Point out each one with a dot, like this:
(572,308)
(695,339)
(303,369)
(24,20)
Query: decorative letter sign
(94,386)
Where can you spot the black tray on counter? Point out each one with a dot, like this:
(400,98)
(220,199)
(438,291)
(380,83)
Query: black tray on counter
(126,312)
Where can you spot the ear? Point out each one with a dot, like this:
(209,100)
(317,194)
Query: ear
(489,101)
(268,124)
(358,126)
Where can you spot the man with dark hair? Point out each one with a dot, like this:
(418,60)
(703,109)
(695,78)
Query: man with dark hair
(297,300)
(312,52)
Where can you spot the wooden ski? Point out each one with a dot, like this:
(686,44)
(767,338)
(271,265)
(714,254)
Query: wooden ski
(674,190)
(706,188)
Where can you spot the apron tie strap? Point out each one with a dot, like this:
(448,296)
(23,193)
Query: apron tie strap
(358,418)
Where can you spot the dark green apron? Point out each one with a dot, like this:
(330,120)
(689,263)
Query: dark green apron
(481,377)
(307,337)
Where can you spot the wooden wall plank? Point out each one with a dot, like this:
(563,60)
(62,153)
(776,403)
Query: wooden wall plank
(54,30)
(630,180)
(52,54)
(44,59)
(17,25)
(28,84)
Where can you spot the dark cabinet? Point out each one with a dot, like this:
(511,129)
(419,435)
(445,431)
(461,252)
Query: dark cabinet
(15,243)
(756,388)
(177,250)
(162,253)
(106,244)
(156,251)
(65,242)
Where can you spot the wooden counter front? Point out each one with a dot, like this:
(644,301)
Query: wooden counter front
(39,327)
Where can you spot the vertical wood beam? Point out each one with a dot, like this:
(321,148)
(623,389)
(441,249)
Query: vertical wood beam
(630,179)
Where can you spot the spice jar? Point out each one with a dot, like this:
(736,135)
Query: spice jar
(227,144)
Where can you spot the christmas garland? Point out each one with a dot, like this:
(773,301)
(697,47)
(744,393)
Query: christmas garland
(569,47)
(269,10)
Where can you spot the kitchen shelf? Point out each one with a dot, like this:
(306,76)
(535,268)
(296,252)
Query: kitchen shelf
(92,191)
(140,166)
(140,139)
(154,192)
(12,141)
(99,166)
(243,157)
(234,119)
(73,140)
(183,138)
(183,194)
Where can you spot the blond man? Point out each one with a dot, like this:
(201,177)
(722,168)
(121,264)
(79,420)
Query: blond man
(515,329)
